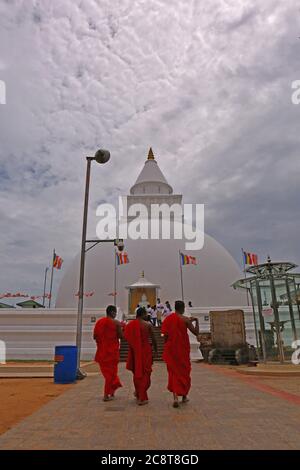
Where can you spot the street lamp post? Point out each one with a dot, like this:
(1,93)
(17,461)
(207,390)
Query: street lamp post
(101,156)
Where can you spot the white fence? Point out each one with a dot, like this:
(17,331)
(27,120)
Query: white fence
(33,333)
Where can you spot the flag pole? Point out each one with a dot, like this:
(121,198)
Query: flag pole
(51,281)
(243,254)
(45,282)
(115,279)
(181,279)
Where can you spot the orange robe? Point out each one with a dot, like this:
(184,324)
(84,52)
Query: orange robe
(177,354)
(108,353)
(139,359)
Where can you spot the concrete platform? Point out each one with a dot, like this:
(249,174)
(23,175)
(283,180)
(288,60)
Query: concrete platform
(271,370)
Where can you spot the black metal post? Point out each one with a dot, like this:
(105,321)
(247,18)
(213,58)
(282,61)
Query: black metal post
(261,321)
(253,311)
(115,279)
(276,319)
(245,276)
(80,374)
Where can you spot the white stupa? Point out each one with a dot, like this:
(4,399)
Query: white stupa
(208,284)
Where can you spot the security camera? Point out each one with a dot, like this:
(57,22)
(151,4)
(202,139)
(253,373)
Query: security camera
(102,156)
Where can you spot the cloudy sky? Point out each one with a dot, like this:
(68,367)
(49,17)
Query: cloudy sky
(206,83)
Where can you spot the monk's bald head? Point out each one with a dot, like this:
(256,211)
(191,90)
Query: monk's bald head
(111,311)
(141,312)
(179,306)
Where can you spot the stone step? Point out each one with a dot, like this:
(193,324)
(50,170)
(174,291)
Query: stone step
(160,344)
(23,368)
(26,375)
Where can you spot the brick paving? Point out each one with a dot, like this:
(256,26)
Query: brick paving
(224,413)
(291,385)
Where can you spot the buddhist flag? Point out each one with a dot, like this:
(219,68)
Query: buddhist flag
(122,258)
(86,294)
(250,258)
(267,311)
(57,261)
(187,259)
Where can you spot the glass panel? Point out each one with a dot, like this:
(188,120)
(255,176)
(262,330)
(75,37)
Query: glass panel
(287,294)
(294,283)
(253,298)
(268,319)
(268,316)
(262,323)
(286,315)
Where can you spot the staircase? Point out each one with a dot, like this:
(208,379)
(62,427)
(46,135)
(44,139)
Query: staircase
(160,345)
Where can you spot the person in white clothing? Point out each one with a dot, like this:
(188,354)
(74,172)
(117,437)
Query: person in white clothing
(159,312)
(167,310)
(149,312)
(153,315)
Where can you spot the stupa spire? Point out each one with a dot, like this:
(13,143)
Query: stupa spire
(151,180)
(150,154)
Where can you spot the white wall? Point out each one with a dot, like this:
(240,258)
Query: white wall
(33,333)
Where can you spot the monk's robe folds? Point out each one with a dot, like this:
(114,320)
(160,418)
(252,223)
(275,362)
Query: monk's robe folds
(139,359)
(108,353)
(177,354)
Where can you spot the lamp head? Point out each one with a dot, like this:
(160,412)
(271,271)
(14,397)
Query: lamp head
(102,156)
(119,243)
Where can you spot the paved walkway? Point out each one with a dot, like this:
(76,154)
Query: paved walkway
(224,413)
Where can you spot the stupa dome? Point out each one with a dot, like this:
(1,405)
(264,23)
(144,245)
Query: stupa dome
(208,284)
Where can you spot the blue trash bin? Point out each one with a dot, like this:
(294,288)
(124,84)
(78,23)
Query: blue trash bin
(65,361)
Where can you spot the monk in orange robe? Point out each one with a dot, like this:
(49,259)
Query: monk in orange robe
(138,334)
(177,351)
(107,333)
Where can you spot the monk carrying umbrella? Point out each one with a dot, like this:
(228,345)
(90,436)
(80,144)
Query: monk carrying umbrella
(107,333)
(177,351)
